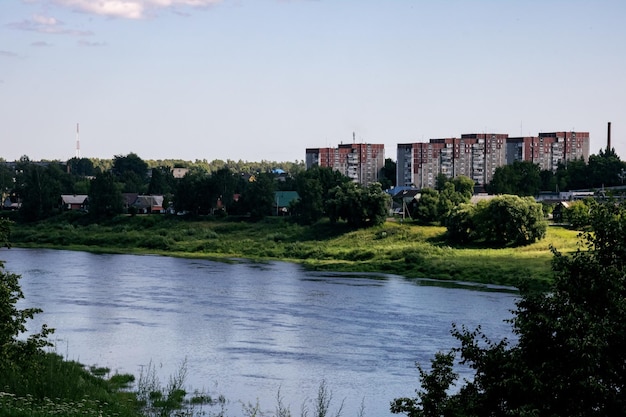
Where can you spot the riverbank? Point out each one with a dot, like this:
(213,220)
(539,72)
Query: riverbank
(396,248)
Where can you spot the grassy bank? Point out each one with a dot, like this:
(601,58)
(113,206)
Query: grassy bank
(397,248)
(45,385)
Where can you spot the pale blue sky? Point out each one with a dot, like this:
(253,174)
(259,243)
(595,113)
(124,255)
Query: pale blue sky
(265,79)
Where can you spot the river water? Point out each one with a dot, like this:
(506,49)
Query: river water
(249,330)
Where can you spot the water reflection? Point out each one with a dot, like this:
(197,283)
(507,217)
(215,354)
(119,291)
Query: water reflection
(248,330)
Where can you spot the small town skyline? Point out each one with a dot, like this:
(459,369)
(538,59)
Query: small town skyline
(253,80)
(609,136)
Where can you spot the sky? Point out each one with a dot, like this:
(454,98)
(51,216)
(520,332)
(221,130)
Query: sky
(260,80)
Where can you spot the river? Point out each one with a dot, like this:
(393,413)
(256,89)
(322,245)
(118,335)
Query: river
(247,330)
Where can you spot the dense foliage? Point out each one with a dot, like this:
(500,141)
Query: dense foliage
(521,178)
(358,205)
(39,189)
(37,186)
(204,189)
(435,205)
(314,186)
(14,351)
(569,358)
(500,221)
(578,213)
(387,174)
(524,178)
(105,197)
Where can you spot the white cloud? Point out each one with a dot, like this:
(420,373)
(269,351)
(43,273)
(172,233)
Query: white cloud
(83,42)
(44,20)
(47,25)
(41,44)
(9,54)
(130,9)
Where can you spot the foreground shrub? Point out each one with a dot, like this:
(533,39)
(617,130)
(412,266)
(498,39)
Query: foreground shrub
(570,356)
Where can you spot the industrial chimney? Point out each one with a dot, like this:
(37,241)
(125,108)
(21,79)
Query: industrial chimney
(608,138)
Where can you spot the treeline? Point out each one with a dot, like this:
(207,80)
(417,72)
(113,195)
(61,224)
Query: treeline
(244,189)
(526,179)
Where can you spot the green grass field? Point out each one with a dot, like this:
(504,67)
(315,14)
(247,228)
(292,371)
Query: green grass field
(397,248)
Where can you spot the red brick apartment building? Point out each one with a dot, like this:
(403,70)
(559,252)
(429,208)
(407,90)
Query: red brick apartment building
(477,155)
(359,161)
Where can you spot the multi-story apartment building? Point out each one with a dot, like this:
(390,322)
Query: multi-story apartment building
(548,150)
(477,155)
(361,162)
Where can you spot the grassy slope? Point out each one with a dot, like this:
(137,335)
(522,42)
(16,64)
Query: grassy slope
(403,249)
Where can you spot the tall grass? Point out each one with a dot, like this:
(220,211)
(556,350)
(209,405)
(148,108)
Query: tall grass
(46,385)
(399,248)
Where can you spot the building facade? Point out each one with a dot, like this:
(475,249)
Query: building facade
(477,155)
(361,162)
(473,155)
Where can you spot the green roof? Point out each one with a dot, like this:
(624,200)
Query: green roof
(283,198)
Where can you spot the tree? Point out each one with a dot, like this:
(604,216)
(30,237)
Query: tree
(359,206)
(105,197)
(259,196)
(521,178)
(193,193)
(437,205)
(570,355)
(314,187)
(81,167)
(129,163)
(509,219)
(387,174)
(575,175)
(464,186)
(460,224)
(310,206)
(132,171)
(377,203)
(15,350)
(426,209)
(40,189)
(223,184)
(606,169)
(7,176)
(161,181)
(578,214)
(441,181)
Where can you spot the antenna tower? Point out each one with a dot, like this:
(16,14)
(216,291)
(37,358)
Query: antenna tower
(77,143)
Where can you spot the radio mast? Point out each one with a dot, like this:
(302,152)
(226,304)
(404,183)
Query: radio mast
(77,143)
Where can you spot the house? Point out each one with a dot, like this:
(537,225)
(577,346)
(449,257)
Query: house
(128,199)
(10,204)
(559,211)
(74,201)
(476,198)
(282,201)
(145,204)
(179,172)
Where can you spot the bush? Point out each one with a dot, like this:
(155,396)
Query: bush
(501,221)
(570,355)
(460,224)
(578,214)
